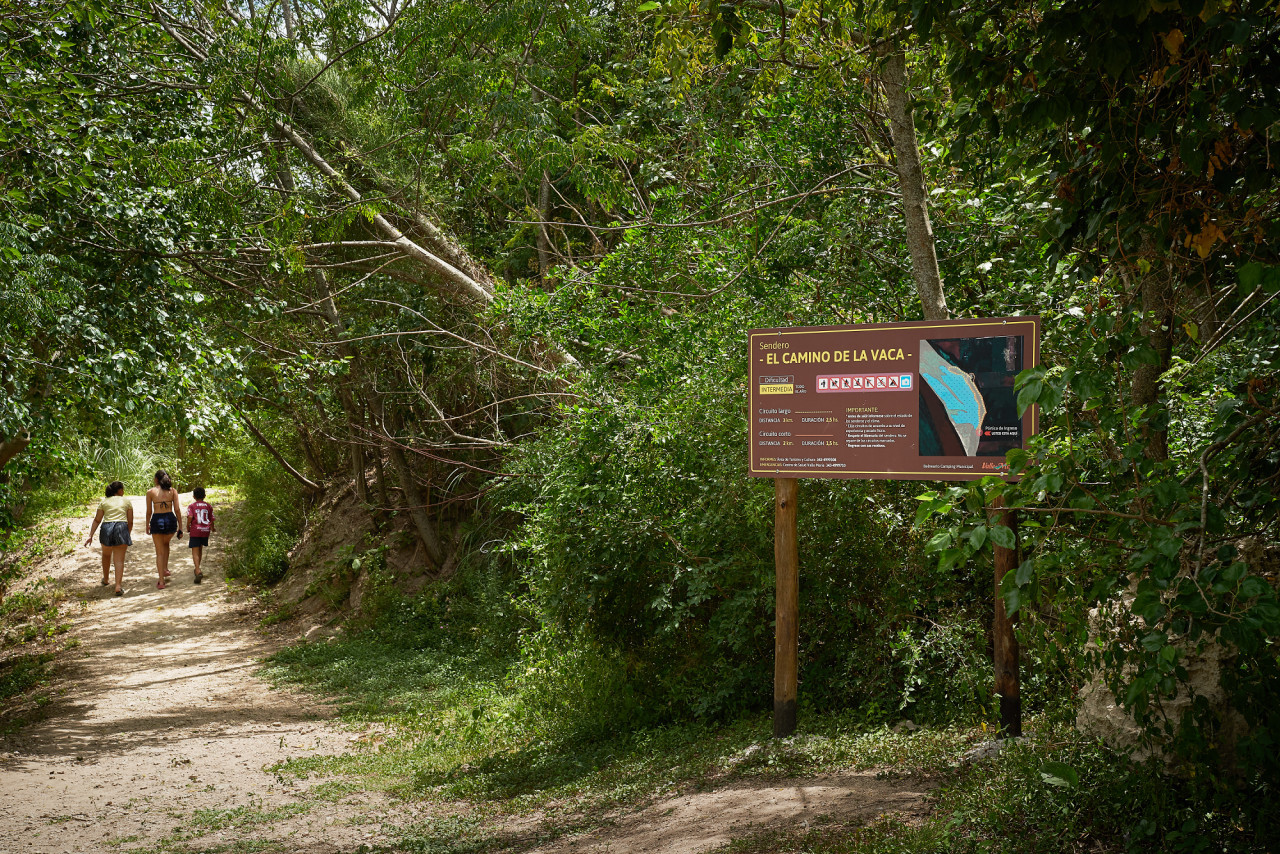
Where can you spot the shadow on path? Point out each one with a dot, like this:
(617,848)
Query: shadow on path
(158,713)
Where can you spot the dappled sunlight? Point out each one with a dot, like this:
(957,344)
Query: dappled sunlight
(158,708)
(695,822)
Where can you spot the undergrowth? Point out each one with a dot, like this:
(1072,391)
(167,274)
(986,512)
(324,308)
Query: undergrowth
(269,521)
(465,712)
(32,624)
(1016,804)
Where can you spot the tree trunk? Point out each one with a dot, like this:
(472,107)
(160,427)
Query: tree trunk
(359,464)
(915,209)
(544,236)
(309,450)
(417,505)
(380,478)
(11,447)
(1157,322)
(289,27)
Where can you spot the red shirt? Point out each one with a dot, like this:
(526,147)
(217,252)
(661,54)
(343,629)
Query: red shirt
(199,519)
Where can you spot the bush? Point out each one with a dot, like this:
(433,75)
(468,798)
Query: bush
(643,541)
(268,522)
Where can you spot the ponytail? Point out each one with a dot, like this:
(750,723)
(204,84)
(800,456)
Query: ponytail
(163,481)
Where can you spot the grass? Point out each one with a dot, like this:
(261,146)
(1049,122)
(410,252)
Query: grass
(208,820)
(449,724)
(453,723)
(178,845)
(33,621)
(250,818)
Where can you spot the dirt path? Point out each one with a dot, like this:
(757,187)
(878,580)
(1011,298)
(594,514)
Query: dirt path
(159,733)
(699,822)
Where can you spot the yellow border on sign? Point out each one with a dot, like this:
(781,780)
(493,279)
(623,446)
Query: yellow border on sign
(936,475)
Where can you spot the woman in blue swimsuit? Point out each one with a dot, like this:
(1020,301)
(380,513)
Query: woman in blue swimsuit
(164,519)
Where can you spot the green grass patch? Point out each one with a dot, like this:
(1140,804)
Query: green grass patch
(456,722)
(170,845)
(208,820)
(1021,803)
(454,717)
(33,624)
(20,673)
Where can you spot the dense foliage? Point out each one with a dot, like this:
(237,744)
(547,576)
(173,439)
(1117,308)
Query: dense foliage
(490,267)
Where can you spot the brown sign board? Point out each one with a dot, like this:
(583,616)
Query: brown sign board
(924,400)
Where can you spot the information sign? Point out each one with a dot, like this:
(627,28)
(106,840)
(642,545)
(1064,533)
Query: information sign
(927,400)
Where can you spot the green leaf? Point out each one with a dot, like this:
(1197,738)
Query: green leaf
(1252,586)
(1004,537)
(978,537)
(1029,394)
(1250,275)
(1059,774)
(1025,572)
(1012,600)
(648,7)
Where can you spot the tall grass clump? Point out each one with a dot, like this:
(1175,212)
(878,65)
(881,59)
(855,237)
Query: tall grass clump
(130,455)
(272,514)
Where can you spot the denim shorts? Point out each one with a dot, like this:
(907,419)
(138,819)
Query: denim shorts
(113,534)
(164,523)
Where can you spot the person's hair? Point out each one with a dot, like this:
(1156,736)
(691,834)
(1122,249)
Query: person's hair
(115,487)
(163,481)
(198,493)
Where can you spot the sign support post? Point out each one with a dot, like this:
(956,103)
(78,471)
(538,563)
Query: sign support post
(931,400)
(786,556)
(1004,642)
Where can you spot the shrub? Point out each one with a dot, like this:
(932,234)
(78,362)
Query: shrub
(268,522)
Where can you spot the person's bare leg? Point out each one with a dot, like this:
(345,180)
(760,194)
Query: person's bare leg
(162,557)
(106,564)
(118,557)
(196,555)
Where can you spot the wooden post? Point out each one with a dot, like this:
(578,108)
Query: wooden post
(786,557)
(1004,642)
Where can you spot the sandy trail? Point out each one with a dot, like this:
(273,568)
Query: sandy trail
(698,822)
(158,715)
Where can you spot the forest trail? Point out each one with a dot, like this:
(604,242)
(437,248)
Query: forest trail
(159,737)
(698,822)
(159,731)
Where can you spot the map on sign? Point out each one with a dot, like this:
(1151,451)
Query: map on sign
(918,400)
(960,396)
(967,403)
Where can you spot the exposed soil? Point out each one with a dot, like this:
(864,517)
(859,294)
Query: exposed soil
(158,714)
(704,821)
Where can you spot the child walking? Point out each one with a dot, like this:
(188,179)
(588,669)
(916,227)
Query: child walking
(199,527)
